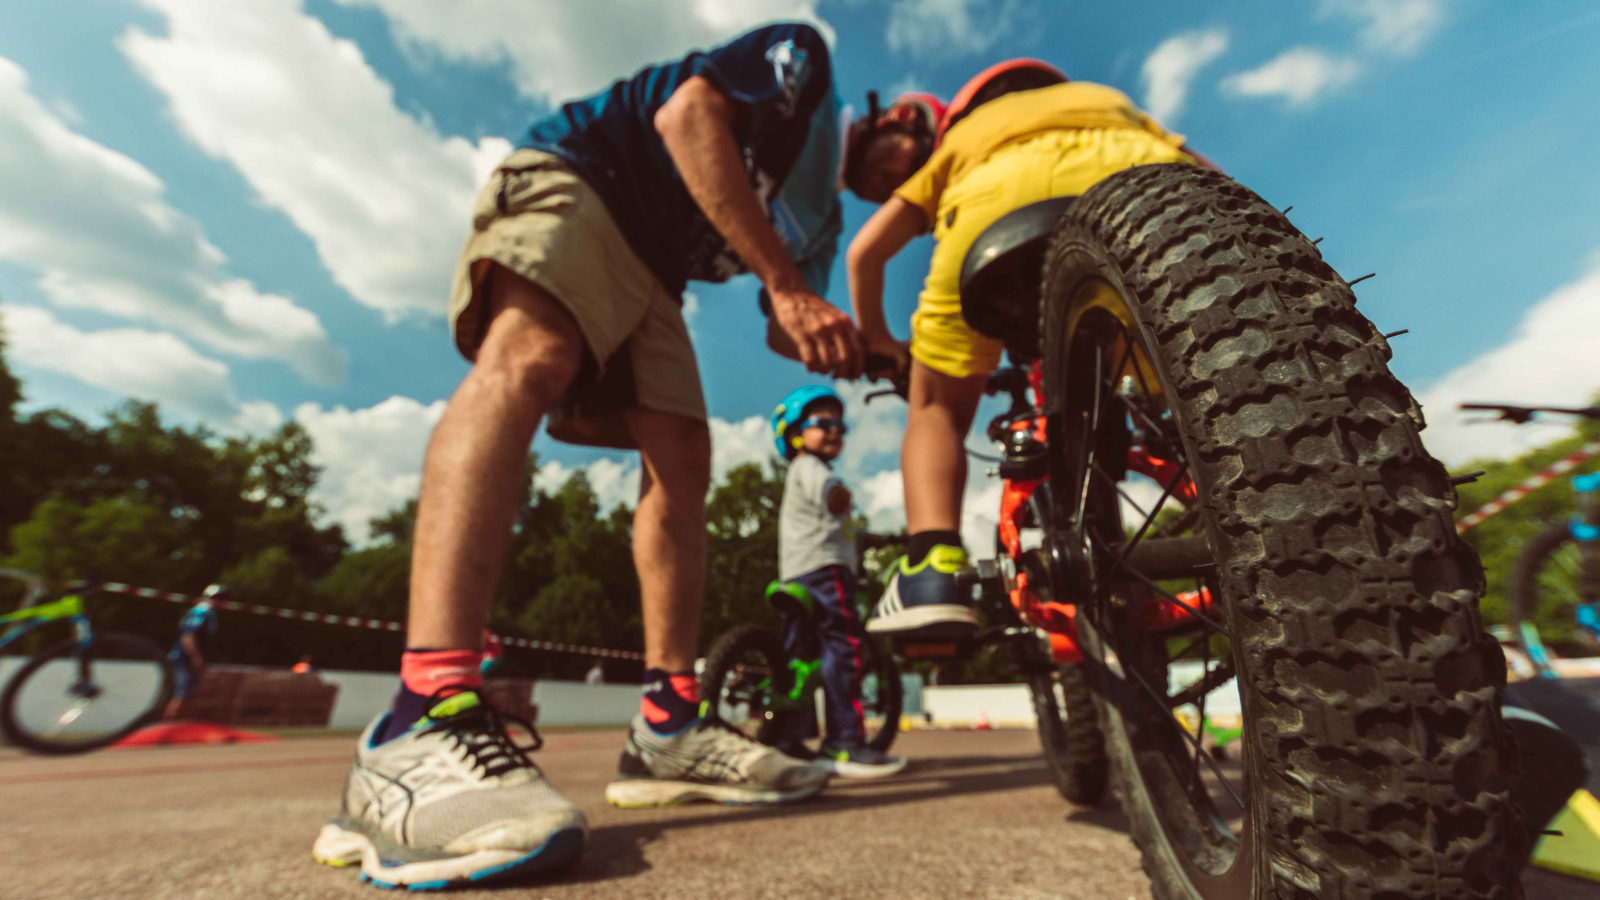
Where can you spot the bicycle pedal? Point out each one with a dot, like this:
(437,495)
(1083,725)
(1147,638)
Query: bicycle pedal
(940,648)
(983,574)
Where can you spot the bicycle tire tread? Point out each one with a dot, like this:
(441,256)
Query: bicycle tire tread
(1375,690)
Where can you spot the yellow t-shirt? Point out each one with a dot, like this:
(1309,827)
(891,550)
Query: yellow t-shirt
(1076,104)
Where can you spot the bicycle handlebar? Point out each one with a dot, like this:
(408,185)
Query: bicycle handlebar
(1011,379)
(1521,415)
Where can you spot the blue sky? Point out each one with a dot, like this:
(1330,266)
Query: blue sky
(249,212)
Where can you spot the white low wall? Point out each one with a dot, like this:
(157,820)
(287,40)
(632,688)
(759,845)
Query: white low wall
(968,704)
(576,703)
(363,695)
(1009,704)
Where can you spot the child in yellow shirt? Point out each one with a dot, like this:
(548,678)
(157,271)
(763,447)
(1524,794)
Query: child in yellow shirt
(1017,133)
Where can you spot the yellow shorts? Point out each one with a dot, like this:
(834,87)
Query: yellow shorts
(1052,164)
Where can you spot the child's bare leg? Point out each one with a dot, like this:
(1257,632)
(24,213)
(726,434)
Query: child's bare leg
(933,461)
(924,598)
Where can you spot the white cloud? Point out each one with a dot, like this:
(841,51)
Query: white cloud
(616,479)
(1394,26)
(1168,70)
(735,443)
(96,226)
(1549,360)
(1299,75)
(371,458)
(149,365)
(558,49)
(314,130)
(944,28)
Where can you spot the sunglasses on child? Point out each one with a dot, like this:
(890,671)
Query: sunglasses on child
(827,423)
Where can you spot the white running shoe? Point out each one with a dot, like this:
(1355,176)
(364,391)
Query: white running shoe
(857,760)
(452,801)
(708,761)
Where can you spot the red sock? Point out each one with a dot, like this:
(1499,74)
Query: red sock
(669,701)
(426,672)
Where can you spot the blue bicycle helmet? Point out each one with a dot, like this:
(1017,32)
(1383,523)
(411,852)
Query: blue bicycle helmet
(792,410)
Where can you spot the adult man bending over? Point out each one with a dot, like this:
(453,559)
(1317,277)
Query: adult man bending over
(567,302)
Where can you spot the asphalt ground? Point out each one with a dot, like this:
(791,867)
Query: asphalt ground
(975,816)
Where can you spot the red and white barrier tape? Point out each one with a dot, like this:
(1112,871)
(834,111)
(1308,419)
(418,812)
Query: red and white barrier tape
(1557,469)
(351,621)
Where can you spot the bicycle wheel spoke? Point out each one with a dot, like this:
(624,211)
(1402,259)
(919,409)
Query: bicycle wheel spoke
(1200,723)
(1193,740)
(1220,629)
(1118,487)
(1090,443)
(1151,517)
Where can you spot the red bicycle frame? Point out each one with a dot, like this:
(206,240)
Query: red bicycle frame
(1057,618)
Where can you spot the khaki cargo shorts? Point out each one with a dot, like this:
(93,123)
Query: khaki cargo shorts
(540,220)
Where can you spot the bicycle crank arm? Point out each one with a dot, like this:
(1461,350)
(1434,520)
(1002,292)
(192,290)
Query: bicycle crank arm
(1159,558)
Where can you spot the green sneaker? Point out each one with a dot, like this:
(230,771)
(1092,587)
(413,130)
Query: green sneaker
(924,601)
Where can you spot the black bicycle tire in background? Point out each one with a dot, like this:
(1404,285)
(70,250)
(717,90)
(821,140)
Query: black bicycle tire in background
(1525,589)
(747,641)
(1376,761)
(891,692)
(1069,732)
(103,647)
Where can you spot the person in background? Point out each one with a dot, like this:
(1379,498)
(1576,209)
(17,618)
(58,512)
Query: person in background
(493,651)
(567,301)
(188,656)
(1017,133)
(808,429)
(596,674)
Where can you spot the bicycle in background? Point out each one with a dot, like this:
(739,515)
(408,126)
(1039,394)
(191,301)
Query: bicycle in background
(753,683)
(85,692)
(1558,573)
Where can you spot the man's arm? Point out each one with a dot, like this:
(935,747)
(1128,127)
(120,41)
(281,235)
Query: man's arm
(697,126)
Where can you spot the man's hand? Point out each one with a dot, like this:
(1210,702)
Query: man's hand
(823,335)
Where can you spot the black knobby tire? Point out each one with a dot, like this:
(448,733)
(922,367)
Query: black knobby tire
(105,647)
(891,693)
(1527,594)
(1376,761)
(1069,732)
(738,649)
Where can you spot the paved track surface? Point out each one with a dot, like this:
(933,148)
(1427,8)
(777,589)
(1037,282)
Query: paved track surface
(976,817)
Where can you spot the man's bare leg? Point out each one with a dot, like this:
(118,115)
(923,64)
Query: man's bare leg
(669,534)
(670,752)
(476,457)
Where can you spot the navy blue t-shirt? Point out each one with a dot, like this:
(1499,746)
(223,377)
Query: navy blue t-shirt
(776,75)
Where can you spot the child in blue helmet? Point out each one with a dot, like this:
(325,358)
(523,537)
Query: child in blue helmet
(808,430)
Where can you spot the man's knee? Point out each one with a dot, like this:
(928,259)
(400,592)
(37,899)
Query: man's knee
(533,344)
(677,453)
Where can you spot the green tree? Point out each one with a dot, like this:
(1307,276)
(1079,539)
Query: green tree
(742,548)
(123,538)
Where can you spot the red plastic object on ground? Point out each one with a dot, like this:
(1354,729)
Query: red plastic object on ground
(191,732)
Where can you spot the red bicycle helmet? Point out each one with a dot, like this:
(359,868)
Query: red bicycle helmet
(996,81)
(930,113)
